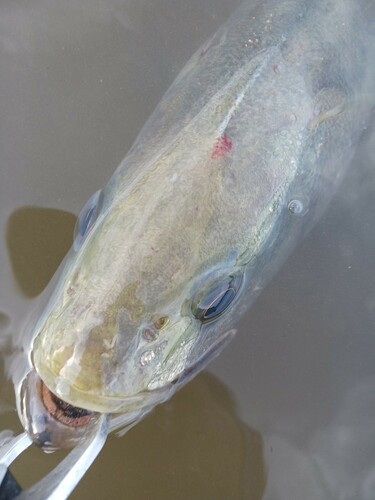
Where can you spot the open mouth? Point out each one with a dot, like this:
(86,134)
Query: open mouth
(51,422)
(62,411)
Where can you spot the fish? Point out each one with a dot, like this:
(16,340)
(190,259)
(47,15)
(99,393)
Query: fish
(233,168)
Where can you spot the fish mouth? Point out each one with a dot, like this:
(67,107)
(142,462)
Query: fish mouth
(58,392)
(53,423)
(62,411)
(50,422)
(96,389)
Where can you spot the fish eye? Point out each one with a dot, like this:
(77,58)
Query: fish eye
(216,299)
(87,218)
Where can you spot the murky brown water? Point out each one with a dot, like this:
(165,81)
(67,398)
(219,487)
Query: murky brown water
(288,411)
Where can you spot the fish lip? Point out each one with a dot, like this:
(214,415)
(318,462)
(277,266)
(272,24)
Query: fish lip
(102,403)
(51,424)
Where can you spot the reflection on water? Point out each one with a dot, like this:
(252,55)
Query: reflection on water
(78,80)
(338,460)
(38,239)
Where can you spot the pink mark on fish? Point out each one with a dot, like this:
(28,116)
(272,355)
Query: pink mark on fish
(223,146)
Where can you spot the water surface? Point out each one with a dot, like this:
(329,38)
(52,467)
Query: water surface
(287,412)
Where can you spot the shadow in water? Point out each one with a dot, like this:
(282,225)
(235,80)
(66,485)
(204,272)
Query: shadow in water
(4,320)
(193,446)
(37,239)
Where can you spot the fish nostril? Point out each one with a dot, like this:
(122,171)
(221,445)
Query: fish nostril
(160,321)
(62,411)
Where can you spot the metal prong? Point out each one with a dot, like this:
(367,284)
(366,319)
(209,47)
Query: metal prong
(62,480)
(10,450)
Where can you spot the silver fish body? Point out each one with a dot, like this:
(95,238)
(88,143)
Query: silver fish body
(234,166)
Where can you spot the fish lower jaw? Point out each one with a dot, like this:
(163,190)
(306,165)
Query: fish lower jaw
(96,400)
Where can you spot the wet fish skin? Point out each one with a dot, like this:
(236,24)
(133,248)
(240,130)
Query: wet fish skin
(235,165)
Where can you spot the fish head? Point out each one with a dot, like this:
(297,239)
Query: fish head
(138,309)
